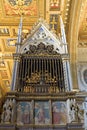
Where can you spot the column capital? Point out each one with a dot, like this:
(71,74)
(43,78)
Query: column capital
(16,44)
(65,57)
(17,56)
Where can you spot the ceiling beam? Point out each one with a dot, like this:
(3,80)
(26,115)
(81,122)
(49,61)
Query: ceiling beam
(3,87)
(8,70)
(2,45)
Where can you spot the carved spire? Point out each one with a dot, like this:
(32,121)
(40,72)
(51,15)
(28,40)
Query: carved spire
(19,39)
(63,35)
(13,84)
(19,31)
(62,30)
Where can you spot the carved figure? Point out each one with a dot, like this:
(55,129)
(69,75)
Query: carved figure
(75,112)
(8,115)
(3,115)
(13,110)
(7,111)
(72,110)
(79,114)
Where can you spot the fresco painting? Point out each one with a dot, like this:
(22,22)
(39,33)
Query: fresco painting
(15,8)
(42,114)
(59,112)
(23,113)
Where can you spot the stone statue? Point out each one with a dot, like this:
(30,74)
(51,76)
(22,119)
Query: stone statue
(13,118)
(3,115)
(79,114)
(8,115)
(75,112)
(8,108)
(72,110)
(5,106)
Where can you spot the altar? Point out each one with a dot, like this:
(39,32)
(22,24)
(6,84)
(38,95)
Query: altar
(41,96)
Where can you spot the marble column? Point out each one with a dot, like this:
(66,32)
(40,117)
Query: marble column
(67,74)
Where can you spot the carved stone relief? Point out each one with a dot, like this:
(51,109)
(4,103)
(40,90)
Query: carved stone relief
(82,76)
(39,34)
(8,111)
(85,113)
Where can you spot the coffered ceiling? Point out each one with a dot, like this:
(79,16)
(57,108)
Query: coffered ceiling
(83,21)
(31,11)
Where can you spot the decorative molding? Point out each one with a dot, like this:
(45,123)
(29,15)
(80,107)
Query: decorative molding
(41,33)
(42,49)
(82,44)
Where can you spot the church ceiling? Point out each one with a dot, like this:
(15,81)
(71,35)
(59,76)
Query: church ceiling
(32,10)
(83,21)
(16,7)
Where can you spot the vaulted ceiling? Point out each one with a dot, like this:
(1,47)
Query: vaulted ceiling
(73,12)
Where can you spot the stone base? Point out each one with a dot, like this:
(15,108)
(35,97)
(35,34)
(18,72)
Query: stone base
(70,126)
(26,97)
(75,126)
(7,127)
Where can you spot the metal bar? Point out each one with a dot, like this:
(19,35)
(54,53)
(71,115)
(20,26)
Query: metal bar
(34,65)
(23,60)
(42,67)
(28,67)
(31,67)
(53,66)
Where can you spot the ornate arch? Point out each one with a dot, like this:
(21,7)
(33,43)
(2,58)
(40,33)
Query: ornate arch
(73,38)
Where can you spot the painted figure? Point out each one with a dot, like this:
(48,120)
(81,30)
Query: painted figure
(8,115)
(41,116)
(42,113)
(26,115)
(19,115)
(63,113)
(56,115)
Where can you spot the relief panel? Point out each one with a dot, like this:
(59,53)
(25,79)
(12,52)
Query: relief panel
(82,76)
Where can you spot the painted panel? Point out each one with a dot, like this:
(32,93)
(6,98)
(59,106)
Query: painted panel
(23,113)
(26,7)
(42,114)
(59,112)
